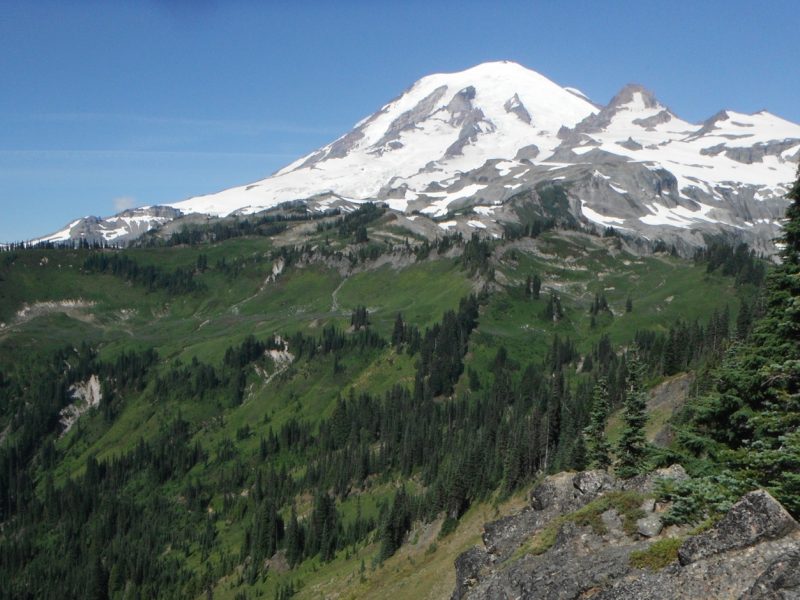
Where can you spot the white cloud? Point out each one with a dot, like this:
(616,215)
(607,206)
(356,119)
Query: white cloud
(124,202)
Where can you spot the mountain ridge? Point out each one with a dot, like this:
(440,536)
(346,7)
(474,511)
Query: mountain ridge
(470,141)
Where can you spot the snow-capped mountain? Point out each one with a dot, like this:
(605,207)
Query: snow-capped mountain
(121,228)
(420,143)
(468,148)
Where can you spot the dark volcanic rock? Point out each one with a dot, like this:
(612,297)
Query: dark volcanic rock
(756,517)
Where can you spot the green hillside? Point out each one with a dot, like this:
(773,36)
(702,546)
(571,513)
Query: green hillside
(315,414)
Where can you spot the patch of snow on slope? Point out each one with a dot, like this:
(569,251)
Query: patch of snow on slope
(112,234)
(438,208)
(583,149)
(399,204)
(484,210)
(504,167)
(678,216)
(618,189)
(596,217)
(60,236)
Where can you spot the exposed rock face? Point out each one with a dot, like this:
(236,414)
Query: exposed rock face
(780,580)
(752,553)
(468,568)
(514,105)
(86,395)
(121,228)
(756,517)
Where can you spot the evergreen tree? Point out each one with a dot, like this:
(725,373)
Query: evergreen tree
(398,333)
(598,449)
(632,447)
(552,310)
(744,320)
(97,585)
(751,420)
(579,457)
(294,540)
(360,236)
(395,524)
(359,318)
(536,286)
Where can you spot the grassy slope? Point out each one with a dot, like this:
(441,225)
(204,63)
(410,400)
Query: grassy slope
(205,324)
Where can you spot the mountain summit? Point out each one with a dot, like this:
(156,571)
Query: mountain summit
(413,148)
(468,149)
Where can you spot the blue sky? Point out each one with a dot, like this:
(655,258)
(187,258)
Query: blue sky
(105,105)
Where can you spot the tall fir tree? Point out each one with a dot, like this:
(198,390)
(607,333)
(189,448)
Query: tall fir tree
(294,540)
(598,448)
(750,422)
(536,286)
(632,447)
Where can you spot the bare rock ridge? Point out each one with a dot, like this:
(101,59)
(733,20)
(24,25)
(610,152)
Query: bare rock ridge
(467,150)
(580,533)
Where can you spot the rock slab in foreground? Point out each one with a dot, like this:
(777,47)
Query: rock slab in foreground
(756,517)
(780,581)
(753,553)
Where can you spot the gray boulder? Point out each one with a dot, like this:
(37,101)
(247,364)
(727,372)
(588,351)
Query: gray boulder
(569,491)
(646,483)
(593,482)
(756,517)
(649,526)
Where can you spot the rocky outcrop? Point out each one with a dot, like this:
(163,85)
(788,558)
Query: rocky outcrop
(780,580)
(755,518)
(646,483)
(469,566)
(85,396)
(120,229)
(562,546)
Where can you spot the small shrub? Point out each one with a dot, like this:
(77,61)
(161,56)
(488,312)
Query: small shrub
(627,504)
(657,555)
(448,526)
(701,498)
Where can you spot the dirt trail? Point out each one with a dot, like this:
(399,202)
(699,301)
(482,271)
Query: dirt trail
(334,298)
(277,269)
